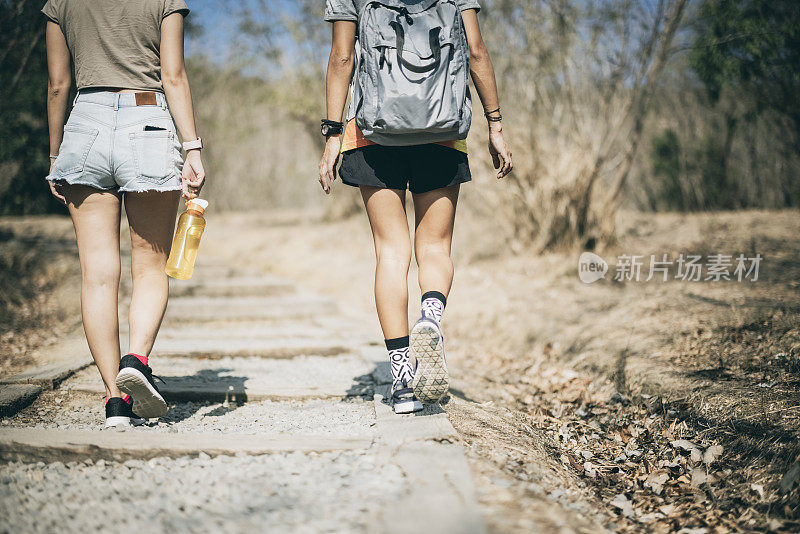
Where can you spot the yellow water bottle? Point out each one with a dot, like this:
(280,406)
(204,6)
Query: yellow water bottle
(191,224)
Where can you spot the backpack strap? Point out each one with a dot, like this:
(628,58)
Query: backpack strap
(436,49)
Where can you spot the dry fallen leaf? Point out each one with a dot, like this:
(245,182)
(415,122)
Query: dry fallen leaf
(790,478)
(695,455)
(624,505)
(590,470)
(656,480)
(667,509)
(699,477)
(649,518)
(711,454)
(684,444)
(577,466)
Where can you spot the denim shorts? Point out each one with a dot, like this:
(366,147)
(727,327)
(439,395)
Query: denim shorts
(112,144)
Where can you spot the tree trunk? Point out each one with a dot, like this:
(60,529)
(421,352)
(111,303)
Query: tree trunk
(641,105)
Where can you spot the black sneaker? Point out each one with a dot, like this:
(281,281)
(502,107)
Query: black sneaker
(119,412)
(136,379)
(403,399)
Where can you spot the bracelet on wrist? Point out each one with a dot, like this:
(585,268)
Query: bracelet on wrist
(490,115)
(52,157)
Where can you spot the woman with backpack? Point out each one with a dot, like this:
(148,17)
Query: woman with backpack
(409,116)
(120,145)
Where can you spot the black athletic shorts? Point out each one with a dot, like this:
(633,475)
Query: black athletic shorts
(420,168)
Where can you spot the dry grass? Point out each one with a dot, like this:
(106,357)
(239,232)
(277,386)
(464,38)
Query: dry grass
(719,358)
(39,284)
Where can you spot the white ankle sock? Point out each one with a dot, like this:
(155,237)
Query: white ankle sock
(399,361)
(433,306)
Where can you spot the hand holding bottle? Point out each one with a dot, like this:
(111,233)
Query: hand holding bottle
(186,242)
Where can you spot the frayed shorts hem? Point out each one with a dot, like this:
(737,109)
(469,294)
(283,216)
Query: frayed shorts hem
(150,189)
(74,181)
(134,188)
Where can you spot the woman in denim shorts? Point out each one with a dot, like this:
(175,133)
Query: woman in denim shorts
(120,144)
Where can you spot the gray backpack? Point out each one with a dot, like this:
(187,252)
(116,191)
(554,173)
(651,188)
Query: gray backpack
(411,83)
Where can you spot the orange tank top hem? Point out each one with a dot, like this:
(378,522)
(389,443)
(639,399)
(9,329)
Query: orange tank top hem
(353,138)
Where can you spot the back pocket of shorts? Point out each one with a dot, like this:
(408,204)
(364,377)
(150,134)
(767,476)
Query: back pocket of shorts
(151,153)
(74,150)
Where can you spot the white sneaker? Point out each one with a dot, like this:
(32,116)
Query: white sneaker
(426,346)
(403,399)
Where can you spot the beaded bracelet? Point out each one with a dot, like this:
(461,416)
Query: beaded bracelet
(489,118)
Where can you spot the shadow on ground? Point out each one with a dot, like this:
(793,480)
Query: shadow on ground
(232,394)
(378,381)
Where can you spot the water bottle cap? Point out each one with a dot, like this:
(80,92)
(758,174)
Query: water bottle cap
(197,204)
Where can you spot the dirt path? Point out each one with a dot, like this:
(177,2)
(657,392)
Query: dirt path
(619,405)
(277,416)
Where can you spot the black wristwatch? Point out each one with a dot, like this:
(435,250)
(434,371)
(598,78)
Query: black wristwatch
(330,128)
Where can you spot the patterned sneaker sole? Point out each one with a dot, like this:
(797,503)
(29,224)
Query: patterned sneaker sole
(407,406)
(147,401)
(431,381)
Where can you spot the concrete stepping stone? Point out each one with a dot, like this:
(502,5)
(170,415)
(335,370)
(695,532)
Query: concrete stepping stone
(49,376)
(231,287)
(351,417)
(443,497)
(438,472)
(55,363)
(250,379)
(183,310)
(320,328)
(340,491)
(257,343)
(32,444)
(14,397)
(429,424)
(266,340)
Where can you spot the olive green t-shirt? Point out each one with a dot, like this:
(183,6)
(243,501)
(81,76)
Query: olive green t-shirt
(114,43)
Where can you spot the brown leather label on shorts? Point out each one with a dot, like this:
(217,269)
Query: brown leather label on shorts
(146,99)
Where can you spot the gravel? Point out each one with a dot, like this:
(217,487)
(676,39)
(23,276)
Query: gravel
(344,491)
(251,373)
(292,492)
(351,417)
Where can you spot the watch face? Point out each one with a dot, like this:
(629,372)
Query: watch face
(325,129)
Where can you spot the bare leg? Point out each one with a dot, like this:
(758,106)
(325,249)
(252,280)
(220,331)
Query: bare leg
(151,216)
(387,217)
(435,213)
(95,216)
